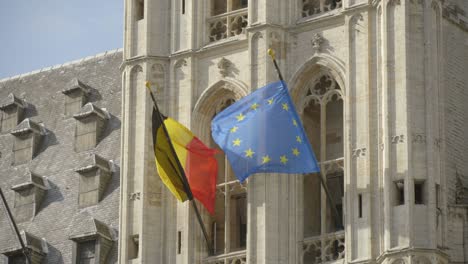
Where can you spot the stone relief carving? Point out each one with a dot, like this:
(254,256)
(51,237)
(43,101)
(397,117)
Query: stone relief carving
(134,196)
(224,66)
(317,41)
(398,139)
(419,138)
(180,63)
(360,152)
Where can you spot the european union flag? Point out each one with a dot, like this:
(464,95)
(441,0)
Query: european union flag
(263,133)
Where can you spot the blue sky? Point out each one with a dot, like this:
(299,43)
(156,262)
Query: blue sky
(40,33)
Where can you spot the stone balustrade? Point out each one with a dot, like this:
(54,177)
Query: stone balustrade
(227,25)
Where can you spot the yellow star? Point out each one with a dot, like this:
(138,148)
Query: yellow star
(249,153)
(236,142)
(240,117)
(254,106)
(265,159)
(294,122)
(285,106)
(234,129)
(270,101)
(298,139)
(283,159)
(295,152)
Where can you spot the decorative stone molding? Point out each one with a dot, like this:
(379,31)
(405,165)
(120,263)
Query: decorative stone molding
(29,196)
(95,174)
(12,109)
(28,137)
(36,246)
(91,123)
(77,95)
(224,66)
(91,231)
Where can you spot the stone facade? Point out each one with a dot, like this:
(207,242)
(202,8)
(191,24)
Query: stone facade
(380,86)
(381,91)
(43,192)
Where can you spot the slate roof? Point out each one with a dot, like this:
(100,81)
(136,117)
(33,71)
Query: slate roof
(43,92)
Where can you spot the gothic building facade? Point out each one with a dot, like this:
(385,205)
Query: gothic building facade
(379,86)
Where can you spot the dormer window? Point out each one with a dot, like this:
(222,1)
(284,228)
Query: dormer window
(90,125)
(28,197)
(91,243)
(95,173)
(12,112)
(28,136)
(76,96)
(228,19)
(35,245)
(315,7)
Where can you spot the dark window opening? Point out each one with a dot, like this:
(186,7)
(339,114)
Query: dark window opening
(139,9)
(179,242)
(183,7)
(86,252)
(419,192)
(400,192)
(360,205)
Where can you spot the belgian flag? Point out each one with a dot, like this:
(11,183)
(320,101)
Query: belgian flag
(197,160)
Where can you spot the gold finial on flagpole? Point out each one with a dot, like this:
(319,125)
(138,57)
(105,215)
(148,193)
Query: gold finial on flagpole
(272,54)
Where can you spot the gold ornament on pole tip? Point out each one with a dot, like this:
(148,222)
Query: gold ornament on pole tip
(271,52)
(148,84)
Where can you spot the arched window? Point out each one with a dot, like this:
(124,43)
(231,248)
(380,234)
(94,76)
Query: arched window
(323,121)
(227,229)
(229,224)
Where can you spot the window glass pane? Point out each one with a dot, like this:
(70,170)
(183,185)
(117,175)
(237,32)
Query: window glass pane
(311,121)
(238,236)
(335,183)
(217,224)
(334,133)
(239,4)
(219,7)
(312,205)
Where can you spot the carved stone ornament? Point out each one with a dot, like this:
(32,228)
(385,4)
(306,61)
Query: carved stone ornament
(223,66)
(317,41)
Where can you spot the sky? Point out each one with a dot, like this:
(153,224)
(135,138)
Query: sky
(40,33)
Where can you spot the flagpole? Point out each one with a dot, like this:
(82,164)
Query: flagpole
(10,215)
(271,52)
(182,175)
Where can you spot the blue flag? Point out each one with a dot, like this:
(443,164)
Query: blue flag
(263,133)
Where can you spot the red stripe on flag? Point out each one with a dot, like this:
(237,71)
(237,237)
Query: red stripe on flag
(202,170)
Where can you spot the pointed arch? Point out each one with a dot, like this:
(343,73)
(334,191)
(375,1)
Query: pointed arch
(211,99)
(317,63)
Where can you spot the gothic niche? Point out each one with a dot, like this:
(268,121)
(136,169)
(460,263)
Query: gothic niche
(28,197)
(12,109)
